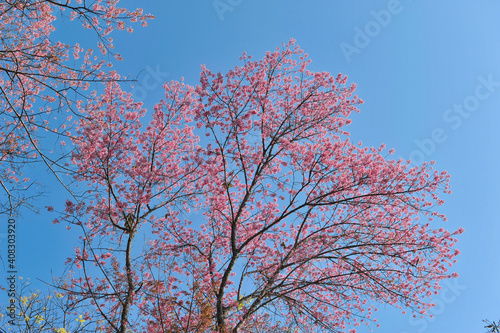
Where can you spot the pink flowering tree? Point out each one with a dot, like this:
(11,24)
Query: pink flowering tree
(41,79)
(241,205)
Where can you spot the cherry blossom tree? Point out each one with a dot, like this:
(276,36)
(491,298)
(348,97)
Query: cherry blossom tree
(242,206)
(41,79)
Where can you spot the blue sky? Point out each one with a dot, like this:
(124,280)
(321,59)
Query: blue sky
(429,73)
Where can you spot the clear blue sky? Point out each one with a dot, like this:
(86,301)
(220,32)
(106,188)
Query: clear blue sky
(429,73)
